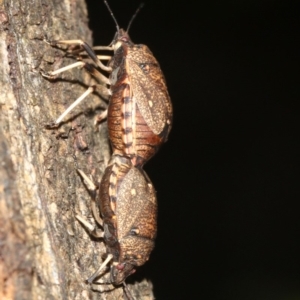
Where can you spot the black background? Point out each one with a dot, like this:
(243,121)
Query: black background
(227,180)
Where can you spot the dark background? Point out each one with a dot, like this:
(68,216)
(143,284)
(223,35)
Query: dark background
(227,181)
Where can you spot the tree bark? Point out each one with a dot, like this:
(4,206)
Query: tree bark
(44,252)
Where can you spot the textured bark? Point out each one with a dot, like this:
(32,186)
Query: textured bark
(44,252)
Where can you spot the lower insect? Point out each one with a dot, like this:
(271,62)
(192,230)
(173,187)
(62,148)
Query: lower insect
(128,208)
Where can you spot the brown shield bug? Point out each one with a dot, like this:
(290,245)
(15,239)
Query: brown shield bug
(139,111)
(128,206)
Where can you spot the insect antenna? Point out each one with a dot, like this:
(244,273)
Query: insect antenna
(112,15)
(135,14)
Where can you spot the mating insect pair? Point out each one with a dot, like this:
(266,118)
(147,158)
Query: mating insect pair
(139,117)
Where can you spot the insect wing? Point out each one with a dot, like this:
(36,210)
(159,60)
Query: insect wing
(149,89)
(136,197)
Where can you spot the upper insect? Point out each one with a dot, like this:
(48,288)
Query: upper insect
(139,112)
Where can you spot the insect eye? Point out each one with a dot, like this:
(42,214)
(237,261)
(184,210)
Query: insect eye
(134,231)
(145,68)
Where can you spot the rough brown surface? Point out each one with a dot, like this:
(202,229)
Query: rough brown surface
(44,252)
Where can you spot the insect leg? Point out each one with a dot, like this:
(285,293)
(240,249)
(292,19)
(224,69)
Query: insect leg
(52,74)
(90,184)
(91,187)
(101,57)
(97,233)
(103,80)
(98,272)
(127,292)
(101,48)
(104,57)
(101,117)
(88,50)
(99,76)
(91,69)
(105,92)
(90,90)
